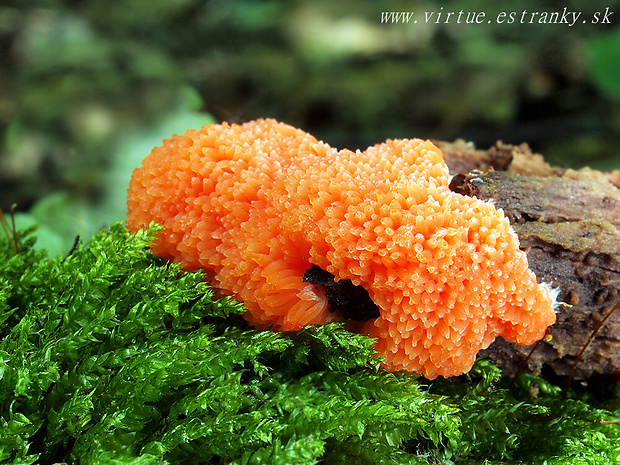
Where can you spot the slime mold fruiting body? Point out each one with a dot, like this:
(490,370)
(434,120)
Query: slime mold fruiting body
(257,205)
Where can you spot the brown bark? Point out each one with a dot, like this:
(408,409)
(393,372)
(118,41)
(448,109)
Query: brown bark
(568,222)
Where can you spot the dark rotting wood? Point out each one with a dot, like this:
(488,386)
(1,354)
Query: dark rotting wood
(568,223)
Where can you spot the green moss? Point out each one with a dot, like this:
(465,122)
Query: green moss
(110,355)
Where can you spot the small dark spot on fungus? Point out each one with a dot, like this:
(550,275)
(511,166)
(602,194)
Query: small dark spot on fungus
(459,184)
(608,202)
(353,302)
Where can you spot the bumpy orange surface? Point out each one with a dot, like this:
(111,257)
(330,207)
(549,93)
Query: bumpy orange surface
(255,205)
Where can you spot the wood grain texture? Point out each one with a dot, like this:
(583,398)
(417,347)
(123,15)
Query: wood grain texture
(568,222)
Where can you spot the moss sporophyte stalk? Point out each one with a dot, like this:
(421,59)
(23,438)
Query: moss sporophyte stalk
(111,355)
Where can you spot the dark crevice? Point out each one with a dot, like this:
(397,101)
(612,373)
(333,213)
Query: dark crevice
(353,302)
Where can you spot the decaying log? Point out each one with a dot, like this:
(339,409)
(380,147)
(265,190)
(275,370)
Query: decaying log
(568,222)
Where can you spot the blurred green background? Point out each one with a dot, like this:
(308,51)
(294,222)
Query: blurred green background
(87,88)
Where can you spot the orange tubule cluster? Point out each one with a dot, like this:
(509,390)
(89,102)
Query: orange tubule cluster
(256,205)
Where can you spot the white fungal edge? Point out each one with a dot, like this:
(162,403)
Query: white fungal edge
(554,292)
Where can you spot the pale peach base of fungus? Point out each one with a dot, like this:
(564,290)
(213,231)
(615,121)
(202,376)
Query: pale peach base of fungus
(257,204)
